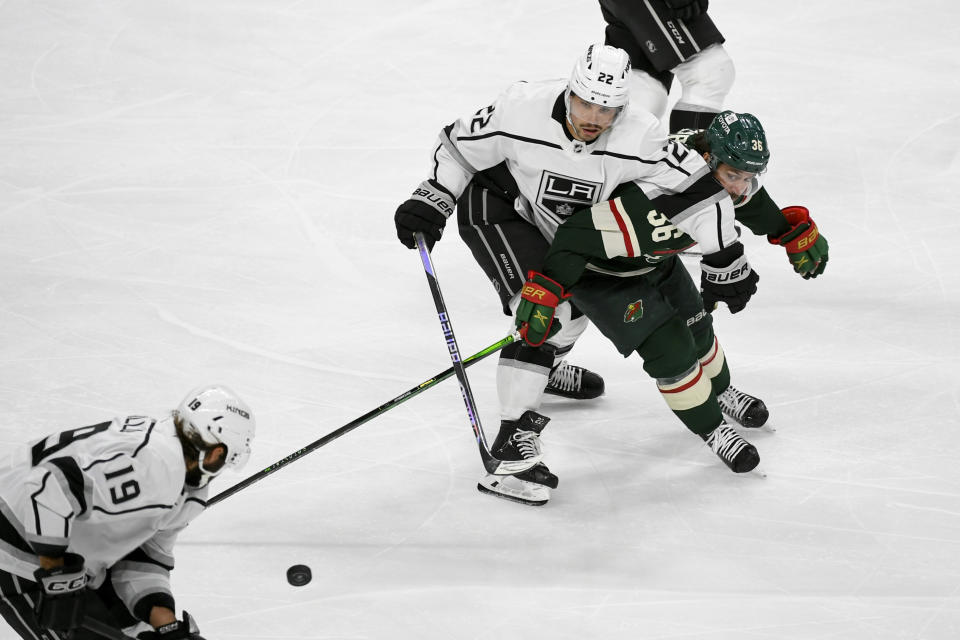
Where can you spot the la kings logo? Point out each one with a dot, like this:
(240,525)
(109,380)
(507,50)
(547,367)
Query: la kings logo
(562,195)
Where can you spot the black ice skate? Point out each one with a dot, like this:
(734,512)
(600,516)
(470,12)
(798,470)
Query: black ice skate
(571,381)
(743,408)
(736,453)
(520,439)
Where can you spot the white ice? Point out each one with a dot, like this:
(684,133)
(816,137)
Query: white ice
(204,191)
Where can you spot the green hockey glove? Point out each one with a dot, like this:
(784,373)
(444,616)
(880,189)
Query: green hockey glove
(806,248)
(538,304)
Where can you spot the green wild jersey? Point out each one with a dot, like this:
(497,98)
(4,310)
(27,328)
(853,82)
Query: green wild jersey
(628,235)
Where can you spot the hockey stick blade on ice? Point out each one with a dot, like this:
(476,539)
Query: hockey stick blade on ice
(370,415)
(491,464)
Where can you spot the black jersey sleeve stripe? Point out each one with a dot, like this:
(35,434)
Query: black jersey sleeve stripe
(514,136)
(139,555)
(10,534)
(447,142)
(33,501)
(623,156)
(146,439)
(698,196)
(122,511)
(719,227)
(74,477)
(101,461)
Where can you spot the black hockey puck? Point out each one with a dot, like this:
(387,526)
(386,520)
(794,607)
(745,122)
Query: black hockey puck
(299,575)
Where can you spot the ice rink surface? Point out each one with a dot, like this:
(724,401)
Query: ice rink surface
(204,191)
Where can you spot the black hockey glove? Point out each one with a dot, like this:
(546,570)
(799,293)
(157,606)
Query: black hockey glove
(687,9)
(62,601)
(427,210)
(726,276)
(185,629)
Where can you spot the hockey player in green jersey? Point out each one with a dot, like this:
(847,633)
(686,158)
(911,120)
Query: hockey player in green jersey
(619,259)
(618,262)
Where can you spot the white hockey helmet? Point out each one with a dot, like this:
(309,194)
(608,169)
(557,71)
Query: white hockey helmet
(212,415)
(601,76)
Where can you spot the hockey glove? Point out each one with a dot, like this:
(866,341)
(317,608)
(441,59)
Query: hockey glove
(726,277)
(185,629)
(687,9)
(538,304)
(806,248)
(61,603)
(427,210)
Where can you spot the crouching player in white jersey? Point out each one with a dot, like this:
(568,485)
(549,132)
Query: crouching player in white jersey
(89,516)
(514,171)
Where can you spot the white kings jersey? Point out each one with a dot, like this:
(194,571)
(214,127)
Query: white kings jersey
(112,492)
(556,174)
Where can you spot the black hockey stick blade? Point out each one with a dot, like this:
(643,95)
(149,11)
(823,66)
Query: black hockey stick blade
(370,415)
(490,463)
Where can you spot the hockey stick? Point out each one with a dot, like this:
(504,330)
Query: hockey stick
(103,629)
(490,463)
(350,426)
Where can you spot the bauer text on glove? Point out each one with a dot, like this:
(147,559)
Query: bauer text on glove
(726,276)
(538,304)
(427,210)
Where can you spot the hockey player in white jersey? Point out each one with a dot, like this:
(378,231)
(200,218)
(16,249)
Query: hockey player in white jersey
(514,171)
(89,517)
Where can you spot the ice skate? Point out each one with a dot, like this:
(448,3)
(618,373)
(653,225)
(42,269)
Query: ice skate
(532,487)
(736,453)
(571,381)
(743,408)
(520,439)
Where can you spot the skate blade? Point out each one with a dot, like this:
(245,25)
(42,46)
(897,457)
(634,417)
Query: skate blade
(531,502)
(766,426)
(756,471)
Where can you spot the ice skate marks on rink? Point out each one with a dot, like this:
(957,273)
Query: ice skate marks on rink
(204,192)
